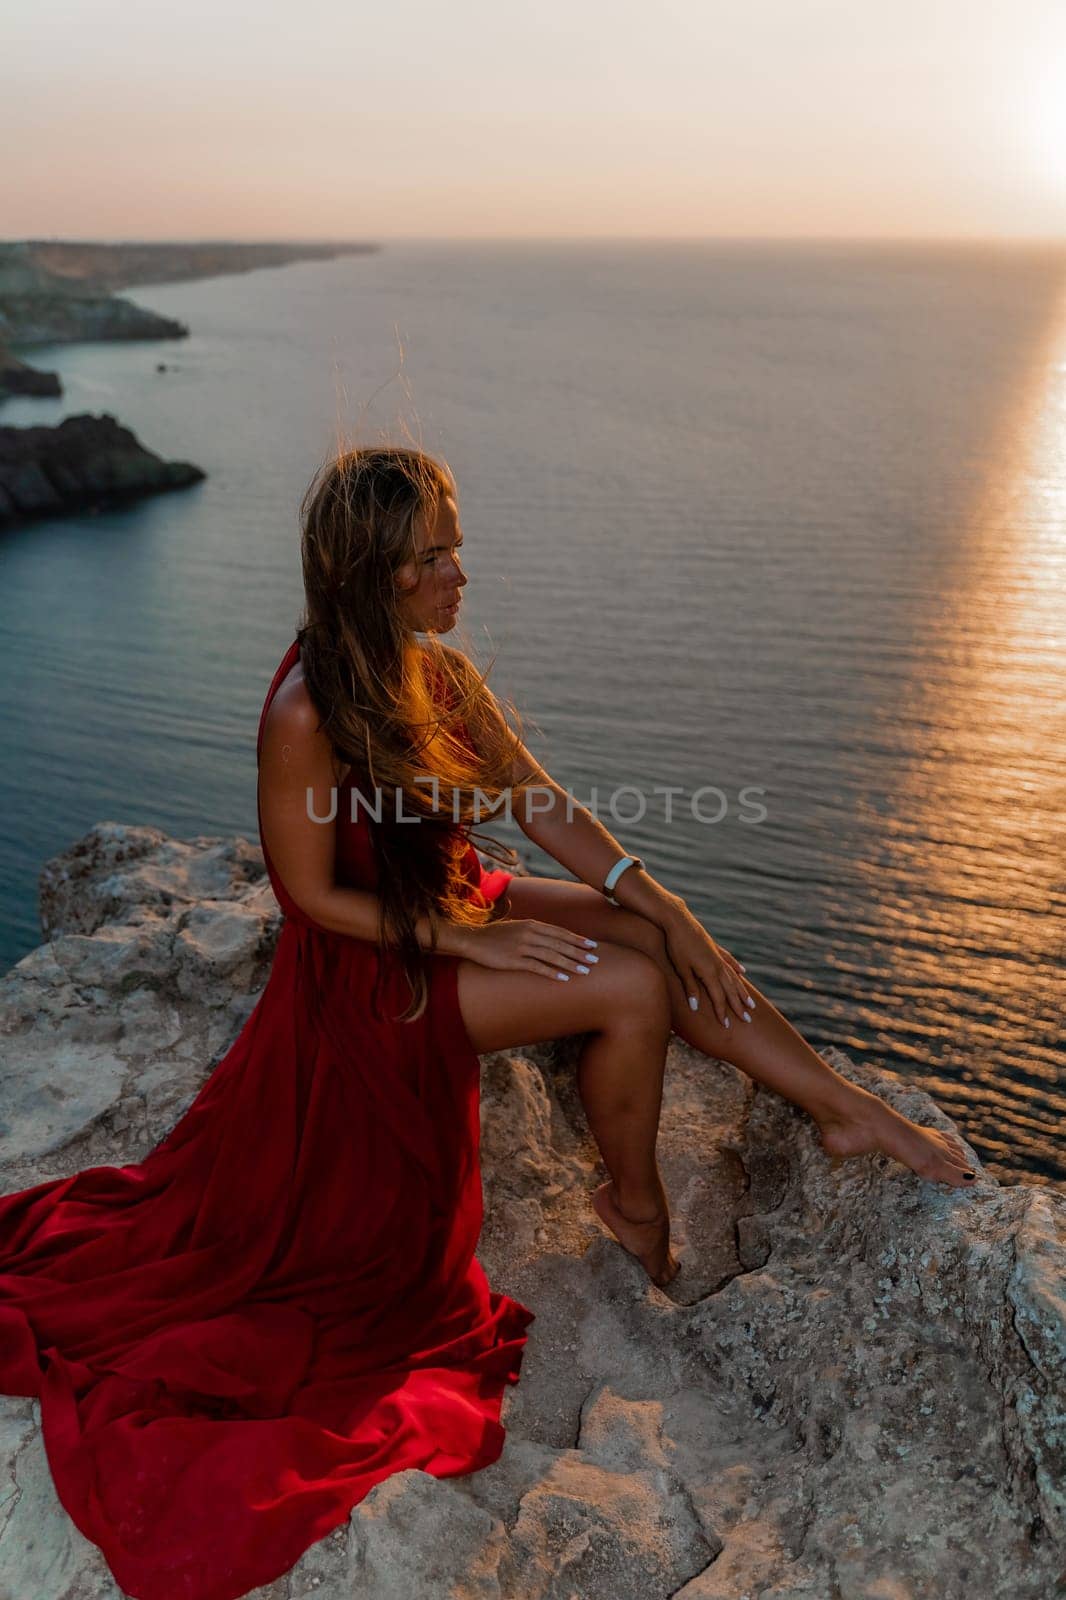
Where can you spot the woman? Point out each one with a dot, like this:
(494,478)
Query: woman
(654,971)
(236,1338)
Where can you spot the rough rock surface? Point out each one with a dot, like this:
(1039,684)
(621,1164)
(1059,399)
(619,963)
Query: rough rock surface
(86,463)
(852,1391)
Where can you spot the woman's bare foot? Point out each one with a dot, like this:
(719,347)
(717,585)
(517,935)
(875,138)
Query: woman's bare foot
(936,1156)
(649,1240)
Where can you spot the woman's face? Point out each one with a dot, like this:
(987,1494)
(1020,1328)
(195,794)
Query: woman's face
(430,585)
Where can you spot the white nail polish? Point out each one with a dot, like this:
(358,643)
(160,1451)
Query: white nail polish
(747,1016)
(580,968)
(592,958)
(693,1002)
(593,944)
(749,1001)
(564,975)
(727,1022)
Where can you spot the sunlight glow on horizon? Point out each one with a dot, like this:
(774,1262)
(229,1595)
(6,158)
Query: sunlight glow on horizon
(826,121)
(1046,122)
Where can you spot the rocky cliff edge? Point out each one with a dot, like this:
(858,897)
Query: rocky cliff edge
(853,1390)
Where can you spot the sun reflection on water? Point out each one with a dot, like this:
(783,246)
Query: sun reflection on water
(977,816)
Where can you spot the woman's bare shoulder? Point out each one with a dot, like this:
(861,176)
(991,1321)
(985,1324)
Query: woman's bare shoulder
(292,711)
(293,718)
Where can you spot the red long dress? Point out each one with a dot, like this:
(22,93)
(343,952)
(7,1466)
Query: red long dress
(234,1339)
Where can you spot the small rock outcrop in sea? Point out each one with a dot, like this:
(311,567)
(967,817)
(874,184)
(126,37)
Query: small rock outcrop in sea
(18,378)
(86,463)
(853,1389)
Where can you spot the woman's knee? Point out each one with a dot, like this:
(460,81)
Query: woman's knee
(624,991)
(635,988)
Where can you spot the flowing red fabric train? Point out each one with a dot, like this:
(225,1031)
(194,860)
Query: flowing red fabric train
(236,1338)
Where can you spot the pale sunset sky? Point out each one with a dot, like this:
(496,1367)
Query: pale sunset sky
(336,119)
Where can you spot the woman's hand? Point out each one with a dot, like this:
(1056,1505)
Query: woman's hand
(520,944)
(705,967)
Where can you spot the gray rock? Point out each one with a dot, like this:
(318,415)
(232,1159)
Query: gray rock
(16,377)
(85,464)
(852,1391)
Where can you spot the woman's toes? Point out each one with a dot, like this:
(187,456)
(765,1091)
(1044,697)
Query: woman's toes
(669,1272)
(959,1158)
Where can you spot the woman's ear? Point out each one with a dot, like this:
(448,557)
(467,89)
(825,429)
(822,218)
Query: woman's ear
(407,577)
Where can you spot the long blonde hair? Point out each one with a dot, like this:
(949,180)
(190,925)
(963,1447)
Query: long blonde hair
(393,708)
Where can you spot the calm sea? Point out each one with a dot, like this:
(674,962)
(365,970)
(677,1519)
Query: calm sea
(785,520)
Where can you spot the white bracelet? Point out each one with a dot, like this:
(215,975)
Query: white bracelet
(616,872)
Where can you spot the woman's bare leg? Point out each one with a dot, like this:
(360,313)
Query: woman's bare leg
(623,1006)
(851,1121)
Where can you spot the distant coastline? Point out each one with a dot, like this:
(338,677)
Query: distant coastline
(63,291)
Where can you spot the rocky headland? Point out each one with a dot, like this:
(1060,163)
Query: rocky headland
(854,1389)
(85,464)
(62,292)
(98,268)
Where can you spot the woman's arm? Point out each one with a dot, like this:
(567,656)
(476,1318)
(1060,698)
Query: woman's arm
(580,842)
(297,783)
(567,831)
(296,780)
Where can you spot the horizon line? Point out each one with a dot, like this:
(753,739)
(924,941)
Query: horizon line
(557,238)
